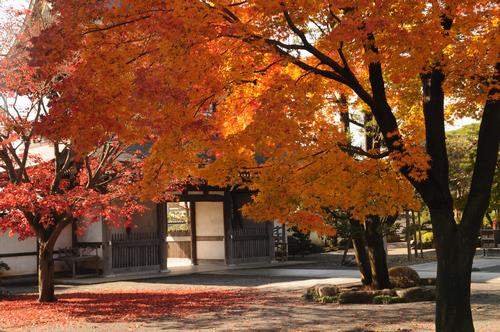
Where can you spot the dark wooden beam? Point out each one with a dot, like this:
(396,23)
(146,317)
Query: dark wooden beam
(161,210)
(192,220)
(228,227)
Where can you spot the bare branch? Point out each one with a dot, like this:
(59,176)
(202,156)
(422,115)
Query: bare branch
(310,48)
(359,151)
(109,27)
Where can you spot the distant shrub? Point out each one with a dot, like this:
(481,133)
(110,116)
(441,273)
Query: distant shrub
(300,244)
(3,267)
(427,237)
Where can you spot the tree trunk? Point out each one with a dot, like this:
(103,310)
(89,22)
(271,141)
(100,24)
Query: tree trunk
(420,236)
(377,254)
(360,253)
(46,273)
(455,252)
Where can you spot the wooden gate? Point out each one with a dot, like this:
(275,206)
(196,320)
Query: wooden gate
(135,251)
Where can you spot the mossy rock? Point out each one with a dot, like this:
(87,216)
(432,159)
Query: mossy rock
(328,299)
(387,299)
(384,292)
(356,297)
(417,294)
(319,291)
(327,290)
(403,277)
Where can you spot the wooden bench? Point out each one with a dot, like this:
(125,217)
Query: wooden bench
(71,256)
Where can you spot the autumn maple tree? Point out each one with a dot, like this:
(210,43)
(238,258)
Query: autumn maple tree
(223,87)
(47,185)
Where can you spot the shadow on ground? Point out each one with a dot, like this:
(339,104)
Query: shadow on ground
(214,279)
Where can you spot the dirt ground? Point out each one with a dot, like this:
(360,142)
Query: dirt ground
(267,309)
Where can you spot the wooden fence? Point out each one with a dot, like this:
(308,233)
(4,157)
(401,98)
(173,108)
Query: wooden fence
(135,251)
(251,244)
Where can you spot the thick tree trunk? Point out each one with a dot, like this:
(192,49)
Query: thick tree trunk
(377,254)
(455,253)
(46,273)
(360,253)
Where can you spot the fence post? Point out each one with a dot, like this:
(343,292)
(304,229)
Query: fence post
(162,235)
(107,259)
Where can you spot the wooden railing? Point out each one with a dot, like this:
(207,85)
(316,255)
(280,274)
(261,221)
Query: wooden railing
(135,251)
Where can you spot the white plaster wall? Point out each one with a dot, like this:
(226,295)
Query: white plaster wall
(11,244)
(27,264)
(210,250)
(210,222)
(18,265)
(93,233)
(64,239)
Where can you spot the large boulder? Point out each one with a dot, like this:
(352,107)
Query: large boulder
(417,294)
(403,277)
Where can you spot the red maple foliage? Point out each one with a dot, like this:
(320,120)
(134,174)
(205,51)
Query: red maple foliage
(47,184)
(23,311)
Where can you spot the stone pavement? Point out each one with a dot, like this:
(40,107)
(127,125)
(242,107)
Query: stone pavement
(343,275)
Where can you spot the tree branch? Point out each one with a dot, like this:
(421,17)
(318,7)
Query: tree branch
(109,27)
(351,149)
(485,163)
(310,48)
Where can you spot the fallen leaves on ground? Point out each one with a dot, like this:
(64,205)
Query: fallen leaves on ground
(25,311)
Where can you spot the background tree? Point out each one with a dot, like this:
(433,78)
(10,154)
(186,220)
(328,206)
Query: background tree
(462,146)
(47,185)
(40,197)
(258,78)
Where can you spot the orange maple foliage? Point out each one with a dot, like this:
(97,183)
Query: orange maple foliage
(259,86)
(230,79)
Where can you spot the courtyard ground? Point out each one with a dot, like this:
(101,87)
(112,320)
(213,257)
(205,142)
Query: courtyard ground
(222,302)
(266,299)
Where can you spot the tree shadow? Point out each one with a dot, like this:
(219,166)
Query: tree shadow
(230,280)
